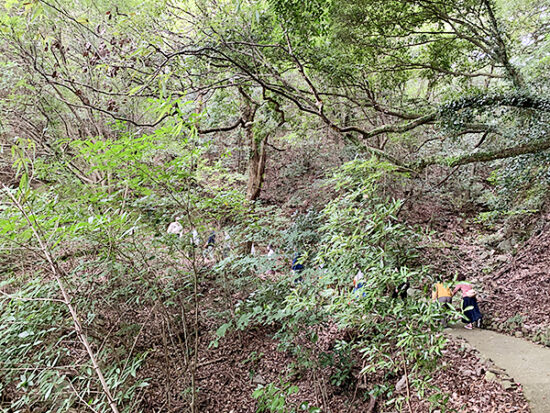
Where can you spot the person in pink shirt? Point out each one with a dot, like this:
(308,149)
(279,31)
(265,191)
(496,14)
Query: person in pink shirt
(472,314)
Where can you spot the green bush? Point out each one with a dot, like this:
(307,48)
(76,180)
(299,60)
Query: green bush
(275,399)
(358,229)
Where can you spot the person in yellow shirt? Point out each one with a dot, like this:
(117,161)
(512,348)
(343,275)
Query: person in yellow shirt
(442,294)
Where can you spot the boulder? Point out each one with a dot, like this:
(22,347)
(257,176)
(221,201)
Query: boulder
(490,376)
(258,379)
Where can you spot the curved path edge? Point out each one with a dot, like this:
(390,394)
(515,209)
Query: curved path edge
(526,362)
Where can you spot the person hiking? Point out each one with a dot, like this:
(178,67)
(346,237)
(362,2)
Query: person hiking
(358,282)
(209,245)
(472,314)
(227,245)
(401,290)
(175,227)
(443,295)
(271,259)
(211,241)
(297,266)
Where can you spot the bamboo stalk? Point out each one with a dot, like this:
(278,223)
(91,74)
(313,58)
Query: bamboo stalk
(66,299)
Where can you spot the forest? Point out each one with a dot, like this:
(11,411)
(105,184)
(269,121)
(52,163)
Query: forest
(284,206)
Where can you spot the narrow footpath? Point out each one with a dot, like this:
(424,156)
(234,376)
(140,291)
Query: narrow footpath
(527,363)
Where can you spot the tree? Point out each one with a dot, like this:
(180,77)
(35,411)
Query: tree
(362,58)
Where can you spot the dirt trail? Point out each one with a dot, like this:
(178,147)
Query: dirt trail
(527,363)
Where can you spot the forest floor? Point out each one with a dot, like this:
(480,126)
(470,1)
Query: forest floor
(229,374)
(233,371)
(527,363)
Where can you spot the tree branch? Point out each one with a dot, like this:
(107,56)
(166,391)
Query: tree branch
(222,128)
(483,156)
(393,128)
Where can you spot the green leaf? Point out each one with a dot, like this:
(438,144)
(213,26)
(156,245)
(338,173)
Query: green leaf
(222,330)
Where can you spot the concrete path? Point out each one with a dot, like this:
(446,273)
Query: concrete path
(526,362)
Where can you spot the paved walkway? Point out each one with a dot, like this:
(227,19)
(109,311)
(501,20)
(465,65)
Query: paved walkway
(526,362)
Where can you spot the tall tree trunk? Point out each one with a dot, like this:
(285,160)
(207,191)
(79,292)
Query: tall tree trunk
(256,168)
(256,149)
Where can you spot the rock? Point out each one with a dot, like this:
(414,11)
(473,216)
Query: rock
(258,379)
(518,334)
(486,361)
(502,258)
(496,370)
(492,239)
(490,376)
(401,383)
(507,384)
(468,373)
(466,346)
(506,246)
